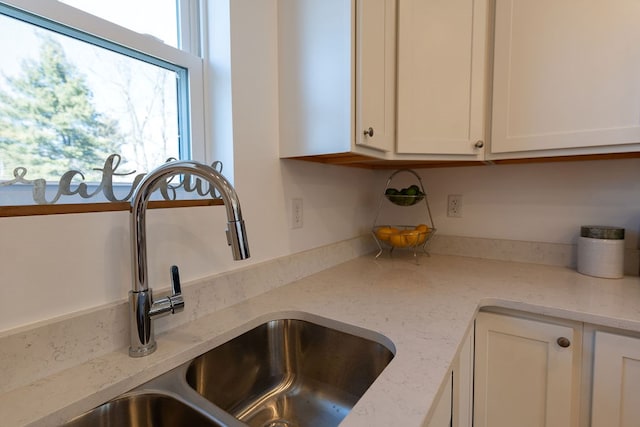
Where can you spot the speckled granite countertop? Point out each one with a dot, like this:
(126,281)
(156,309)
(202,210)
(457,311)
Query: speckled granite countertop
(424,310)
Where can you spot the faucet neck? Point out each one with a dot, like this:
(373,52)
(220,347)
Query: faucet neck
(236,234)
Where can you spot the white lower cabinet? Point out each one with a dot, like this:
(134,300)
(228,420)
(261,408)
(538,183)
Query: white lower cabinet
(527,372)
(616,381)
(442,410)
(454,405)
(462,393)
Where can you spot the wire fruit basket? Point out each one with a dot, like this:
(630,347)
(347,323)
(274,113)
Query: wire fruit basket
(414,237)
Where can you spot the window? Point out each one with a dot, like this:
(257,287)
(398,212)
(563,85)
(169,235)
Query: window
(76,88)
(161,16)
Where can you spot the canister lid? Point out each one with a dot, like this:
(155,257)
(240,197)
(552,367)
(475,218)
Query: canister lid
(602,232)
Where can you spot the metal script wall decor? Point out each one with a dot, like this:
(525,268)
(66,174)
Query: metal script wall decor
(67,186)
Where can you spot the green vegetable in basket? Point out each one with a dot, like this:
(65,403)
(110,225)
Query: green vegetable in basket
(411,191)
(406,197)
(392,195)
(419,194)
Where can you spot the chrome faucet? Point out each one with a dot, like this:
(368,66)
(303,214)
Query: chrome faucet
(142,308)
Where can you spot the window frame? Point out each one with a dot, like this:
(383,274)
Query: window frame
(189,57)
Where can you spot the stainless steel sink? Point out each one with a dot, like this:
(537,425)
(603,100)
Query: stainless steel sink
(289,373)
(282,373)
(143,410)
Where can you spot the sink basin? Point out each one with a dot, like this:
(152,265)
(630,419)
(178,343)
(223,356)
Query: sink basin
(288,373)
(142,410)
(282,373)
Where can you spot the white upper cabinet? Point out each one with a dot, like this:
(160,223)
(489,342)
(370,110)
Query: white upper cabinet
(442,53)
(566,77)
(410,80)
(336,77)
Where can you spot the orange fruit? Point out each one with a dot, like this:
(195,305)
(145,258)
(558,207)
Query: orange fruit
(398,240)
(384,233)
(423,230)
(411,237)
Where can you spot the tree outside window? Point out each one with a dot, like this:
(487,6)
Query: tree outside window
(48,119)
(69,99)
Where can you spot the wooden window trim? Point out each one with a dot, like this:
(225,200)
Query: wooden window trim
(33,210)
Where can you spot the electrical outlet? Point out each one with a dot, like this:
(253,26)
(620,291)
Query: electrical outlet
(296,213)
(454,205)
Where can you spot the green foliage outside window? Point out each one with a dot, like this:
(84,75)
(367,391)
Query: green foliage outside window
(48,120)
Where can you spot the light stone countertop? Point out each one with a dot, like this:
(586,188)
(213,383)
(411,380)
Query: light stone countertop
(424,310)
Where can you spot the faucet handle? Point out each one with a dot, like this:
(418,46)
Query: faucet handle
(173,303)
(177,302)
(175,280)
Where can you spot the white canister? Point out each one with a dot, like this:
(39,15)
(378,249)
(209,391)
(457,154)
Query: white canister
(601,251)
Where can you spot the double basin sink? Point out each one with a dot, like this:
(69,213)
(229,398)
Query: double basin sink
(282,373)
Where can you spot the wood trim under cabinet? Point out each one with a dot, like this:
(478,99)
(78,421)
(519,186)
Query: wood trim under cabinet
(361,161)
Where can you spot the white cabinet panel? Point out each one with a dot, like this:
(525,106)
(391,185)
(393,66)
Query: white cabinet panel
(566,75)
(454,405)
(441,416)
(441,76)
(523,377)
(336,64)
(375,76)
(616,381)
(462,406)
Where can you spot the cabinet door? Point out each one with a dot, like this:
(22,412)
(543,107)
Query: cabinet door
(566,75)
(441,76)
(616,381)
(375,73)
(523,377)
